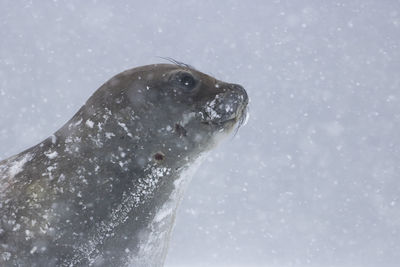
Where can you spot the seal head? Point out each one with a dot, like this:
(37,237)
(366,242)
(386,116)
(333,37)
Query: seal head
(103,190)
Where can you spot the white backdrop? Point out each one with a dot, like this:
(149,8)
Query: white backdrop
(312,180)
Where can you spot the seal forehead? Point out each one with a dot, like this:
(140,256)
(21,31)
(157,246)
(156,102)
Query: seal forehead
(163,77)
(154,71)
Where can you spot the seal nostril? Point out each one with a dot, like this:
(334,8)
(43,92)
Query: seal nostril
(241,91)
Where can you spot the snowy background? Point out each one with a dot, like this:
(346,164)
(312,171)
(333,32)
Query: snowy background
(312,180)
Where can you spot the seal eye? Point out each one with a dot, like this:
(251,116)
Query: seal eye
(187,80)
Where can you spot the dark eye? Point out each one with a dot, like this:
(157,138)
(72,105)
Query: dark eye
(187,81)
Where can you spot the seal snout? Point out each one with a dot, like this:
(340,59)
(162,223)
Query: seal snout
(229,106)
(241,97)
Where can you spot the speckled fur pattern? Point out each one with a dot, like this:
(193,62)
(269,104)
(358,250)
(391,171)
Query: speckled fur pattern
(103,189)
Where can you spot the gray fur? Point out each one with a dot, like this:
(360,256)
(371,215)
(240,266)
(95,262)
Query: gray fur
(90,193)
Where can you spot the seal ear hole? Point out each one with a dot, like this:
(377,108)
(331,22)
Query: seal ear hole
(159,156)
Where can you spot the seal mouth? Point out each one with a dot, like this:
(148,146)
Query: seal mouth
(238,117)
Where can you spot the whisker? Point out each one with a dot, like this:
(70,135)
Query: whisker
(243,120)
(178,63)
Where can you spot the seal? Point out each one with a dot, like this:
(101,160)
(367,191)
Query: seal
(103,189)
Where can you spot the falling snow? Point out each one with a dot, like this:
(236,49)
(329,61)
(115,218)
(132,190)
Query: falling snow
(311,180)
